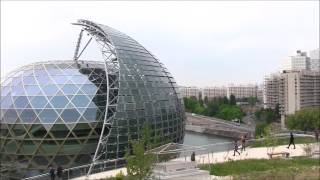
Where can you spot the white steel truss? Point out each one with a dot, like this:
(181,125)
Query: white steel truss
(112,73)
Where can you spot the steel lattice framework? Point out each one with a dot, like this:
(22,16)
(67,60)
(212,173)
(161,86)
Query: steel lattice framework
(112,76)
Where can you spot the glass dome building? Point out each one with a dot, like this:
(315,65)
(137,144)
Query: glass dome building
(76,112)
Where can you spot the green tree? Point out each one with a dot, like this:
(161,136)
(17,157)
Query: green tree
(225,100)
(233,100)
(252,101)
(139,162)
(304,119)
(205,100)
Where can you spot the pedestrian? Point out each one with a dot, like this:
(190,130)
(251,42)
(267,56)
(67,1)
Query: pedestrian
(193,156)
(243,143)
(235,148)
(52,172)
(291,141)
(59,172)
(316,134)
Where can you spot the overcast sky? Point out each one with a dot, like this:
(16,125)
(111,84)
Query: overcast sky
(201,43)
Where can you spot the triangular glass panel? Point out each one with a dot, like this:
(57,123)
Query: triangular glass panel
(19,130)
(32,89)
(70,115)
(10,116)
(59,93)
(29,80)
(70,106)
(89,89)
(59,131)
(48,116)
(47,126)
(71,126)
(21,102)
(28,116)
(36,121)
(50,90)
(39,102)
(69,89)
(59,121)
(60,79)
(80,101)
(59,101)
(48,106)
(81,110)
(92,105)
(59,111)
(38,131)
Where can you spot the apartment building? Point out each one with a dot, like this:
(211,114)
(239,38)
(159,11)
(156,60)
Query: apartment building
(212,92)
(190,91)
(314,60)
(292,90)
(299,89)
(272,90)
(302,61)
(242,91)
(299,61)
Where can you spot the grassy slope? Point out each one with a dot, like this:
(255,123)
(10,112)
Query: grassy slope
(258,165)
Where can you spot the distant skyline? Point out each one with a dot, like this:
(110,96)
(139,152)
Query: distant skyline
(201,43)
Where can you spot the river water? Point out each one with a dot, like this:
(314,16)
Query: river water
(199,139)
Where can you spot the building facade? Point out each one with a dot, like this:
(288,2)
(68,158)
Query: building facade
(299,89)
(70,113)
(315,60)
(190,91)
(213,92)
(272,90)
(242,91)
(302,61)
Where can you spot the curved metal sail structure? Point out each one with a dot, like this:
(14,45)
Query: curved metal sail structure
(112,78)
(146,88)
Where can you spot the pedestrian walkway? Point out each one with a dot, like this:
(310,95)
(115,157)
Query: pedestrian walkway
(218,157)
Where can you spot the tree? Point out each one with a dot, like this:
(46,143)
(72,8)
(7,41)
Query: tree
(139,163)
(252,101)
(205,100)
(304,119)
(225,100)
(232,100)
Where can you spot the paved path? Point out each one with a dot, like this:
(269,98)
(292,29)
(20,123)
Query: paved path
(250,153)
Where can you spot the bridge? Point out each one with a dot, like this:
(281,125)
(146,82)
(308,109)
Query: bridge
(216,126)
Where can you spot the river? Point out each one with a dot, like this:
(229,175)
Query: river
(199,139)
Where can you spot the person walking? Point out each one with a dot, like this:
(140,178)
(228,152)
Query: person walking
(235,148)
(243,143)
(193,156)
(52,172)
(316,134)
(291,141)
(59,172)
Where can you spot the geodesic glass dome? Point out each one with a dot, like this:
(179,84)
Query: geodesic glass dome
(77,112)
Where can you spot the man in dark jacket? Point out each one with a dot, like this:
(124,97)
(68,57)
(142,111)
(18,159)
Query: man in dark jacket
(291,141)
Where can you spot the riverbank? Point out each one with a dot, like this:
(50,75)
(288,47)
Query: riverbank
(215,126)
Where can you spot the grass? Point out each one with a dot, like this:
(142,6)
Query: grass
(285,141)
(260,165)
(291,174)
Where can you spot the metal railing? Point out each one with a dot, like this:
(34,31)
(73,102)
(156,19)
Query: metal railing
(79,171)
